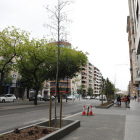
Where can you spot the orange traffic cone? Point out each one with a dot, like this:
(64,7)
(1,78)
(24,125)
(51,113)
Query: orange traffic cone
(84,113)
(90,113)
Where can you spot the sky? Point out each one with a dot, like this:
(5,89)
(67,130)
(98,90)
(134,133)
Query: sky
(98,27)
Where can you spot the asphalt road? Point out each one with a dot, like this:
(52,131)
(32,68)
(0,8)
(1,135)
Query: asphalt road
(23,113)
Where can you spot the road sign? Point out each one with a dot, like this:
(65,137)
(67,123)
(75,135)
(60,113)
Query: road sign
(138,88)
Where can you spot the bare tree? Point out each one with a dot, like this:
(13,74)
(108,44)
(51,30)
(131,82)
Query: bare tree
(58,26)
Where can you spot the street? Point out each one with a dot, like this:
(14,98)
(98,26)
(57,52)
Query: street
(23,113)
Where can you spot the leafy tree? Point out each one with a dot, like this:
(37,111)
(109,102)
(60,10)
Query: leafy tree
(70,63)
(102,88)
(10,40)
(36,58)
(109,88)
(90,91)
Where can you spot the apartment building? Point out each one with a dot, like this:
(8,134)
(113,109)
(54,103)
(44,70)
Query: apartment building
(97,81)
(133,30)
(87,77)
(91,77)
(132,89)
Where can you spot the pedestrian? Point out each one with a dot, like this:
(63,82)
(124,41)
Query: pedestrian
(135,97)
(128,101)
(118,100)
(125,100)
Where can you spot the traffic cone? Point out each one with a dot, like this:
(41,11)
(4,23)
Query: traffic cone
(84,113)
(90,113)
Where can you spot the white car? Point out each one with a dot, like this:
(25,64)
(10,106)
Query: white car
(104,97)
(97,98)
(71,97)
(7,98)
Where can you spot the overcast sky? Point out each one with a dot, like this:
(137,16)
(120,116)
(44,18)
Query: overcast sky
(99,27)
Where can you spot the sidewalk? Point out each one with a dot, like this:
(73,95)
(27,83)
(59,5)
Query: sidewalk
(109,124)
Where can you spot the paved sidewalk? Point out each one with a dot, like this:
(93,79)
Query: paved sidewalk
(115,123)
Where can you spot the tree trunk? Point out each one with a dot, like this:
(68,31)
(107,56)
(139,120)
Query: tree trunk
(58,91)
(67,89)
(1,82)
(28,92)
(22,93)
(35,101)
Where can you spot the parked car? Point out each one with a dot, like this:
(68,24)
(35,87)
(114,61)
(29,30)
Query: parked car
(92,97)
(87,97)
(104,97)
(48,98)
(71,97)
(7,98)
(97,98)
(39,97)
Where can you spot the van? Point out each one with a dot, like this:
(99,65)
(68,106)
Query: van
(104,97)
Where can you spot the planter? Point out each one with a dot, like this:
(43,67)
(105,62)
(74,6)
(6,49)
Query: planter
(67,127)
(104,107)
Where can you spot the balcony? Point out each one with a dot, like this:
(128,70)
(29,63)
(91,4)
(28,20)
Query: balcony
(84,83)
(90,73)
(84,79)
(84,74)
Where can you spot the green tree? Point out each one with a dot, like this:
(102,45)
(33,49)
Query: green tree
(102,88)
(70,63)
(109,89)
(90,91)
(10,40)
(34,61)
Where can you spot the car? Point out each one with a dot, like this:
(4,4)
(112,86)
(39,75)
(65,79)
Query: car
(97,98)
(48,98)
(92,97)
(71,97)
(39,97)
(104,97)
(7,98)
(87,97)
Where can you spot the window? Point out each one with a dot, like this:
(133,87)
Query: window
(14,76)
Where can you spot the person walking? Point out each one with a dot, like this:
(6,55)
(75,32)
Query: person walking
(135,97)
(118,100)
(125,100)
(128,101)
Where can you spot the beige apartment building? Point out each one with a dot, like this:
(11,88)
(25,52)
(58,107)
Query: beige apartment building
(133,30)
(91,77)
(97,81)
(87,77)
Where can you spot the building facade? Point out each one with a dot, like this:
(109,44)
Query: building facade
(133,30)
(97,81)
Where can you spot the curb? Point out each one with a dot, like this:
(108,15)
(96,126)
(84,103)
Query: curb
(104,107)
